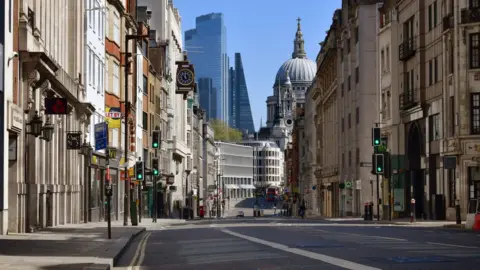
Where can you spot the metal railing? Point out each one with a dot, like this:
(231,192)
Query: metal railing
(407,48)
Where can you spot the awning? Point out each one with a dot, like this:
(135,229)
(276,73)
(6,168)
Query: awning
(228,186)
(247,186)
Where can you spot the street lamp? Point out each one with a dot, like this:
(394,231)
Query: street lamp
(186,193)
(35,125)
(86,150)
(47,131)
(194,172)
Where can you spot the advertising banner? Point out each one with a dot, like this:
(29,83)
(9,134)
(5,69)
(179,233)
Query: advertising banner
(114,117)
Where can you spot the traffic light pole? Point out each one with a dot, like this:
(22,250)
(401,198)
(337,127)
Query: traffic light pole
(378,184)
(155,197)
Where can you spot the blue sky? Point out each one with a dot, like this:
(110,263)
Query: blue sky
(263,32)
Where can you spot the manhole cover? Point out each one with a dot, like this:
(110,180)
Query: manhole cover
(434,259)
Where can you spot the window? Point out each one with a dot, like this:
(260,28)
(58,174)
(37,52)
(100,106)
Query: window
(116,79)
(475,113)
(90,15)
(475,50)
(107,75)
(101,74)
(145,85)
(349,158)
(114,141)
(435,69)
(90,67)
(434,14)
(357,36)
(357,75)
(430,17)
(357,115)
(387,58)
(349,120)
(145,120)
(94,66)
(116,28)
(435,127)
(348,46)
(357,156)
(382,60)
(430,72)
(343,124)
(452,116)
(348,83)
(145,48)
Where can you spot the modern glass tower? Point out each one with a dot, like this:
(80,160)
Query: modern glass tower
(240,112)
(206,46)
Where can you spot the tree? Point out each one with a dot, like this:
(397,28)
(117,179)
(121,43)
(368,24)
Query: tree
(224,133)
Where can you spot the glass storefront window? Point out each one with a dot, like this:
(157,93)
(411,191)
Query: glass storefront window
(95,188)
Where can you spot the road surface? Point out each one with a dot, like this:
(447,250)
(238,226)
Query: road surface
(288,243)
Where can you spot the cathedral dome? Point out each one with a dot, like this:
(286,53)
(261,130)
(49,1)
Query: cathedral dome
(299,70)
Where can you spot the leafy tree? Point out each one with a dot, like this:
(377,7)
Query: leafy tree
(223,132)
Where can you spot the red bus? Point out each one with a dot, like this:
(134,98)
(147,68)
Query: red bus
(272,193)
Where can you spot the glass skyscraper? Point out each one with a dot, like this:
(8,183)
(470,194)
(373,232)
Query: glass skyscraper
(240,110)
(206,46)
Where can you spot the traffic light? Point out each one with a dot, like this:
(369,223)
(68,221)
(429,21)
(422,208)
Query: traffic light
(155,166)
(139,170)
(156,139)
(56,106)
(376,136)
(379,164)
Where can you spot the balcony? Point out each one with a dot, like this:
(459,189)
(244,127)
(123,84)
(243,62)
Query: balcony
(470,15)
(447,22)
(410,98)
(407,49)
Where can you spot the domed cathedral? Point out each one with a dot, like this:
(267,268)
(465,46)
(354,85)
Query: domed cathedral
(291,82)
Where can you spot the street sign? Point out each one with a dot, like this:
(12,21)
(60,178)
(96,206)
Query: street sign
(74,140)
(101,136)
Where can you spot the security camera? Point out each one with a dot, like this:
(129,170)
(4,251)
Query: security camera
(14,55)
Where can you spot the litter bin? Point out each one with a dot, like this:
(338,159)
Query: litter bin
(201,211)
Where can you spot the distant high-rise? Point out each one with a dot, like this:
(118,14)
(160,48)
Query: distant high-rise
(206,46)
(208,97)
(231,106)
(241,112)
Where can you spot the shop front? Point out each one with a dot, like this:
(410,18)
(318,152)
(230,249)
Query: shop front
(96,205)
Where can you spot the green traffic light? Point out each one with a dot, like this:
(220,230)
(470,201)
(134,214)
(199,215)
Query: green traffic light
(139,176)
(377,142)
(155,145)
(379,169)
(155,172)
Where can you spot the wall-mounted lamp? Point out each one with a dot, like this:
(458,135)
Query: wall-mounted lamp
(35,125)
(14,55)
(47,131)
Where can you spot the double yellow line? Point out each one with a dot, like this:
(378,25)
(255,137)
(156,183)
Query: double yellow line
(139,256)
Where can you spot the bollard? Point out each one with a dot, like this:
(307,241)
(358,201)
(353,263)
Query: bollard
(412,213)
(457,212)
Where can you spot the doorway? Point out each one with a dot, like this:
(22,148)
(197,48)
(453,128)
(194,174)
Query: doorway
(415,187)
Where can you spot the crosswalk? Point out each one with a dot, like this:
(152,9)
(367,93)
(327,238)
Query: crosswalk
(391,243)
(221,250)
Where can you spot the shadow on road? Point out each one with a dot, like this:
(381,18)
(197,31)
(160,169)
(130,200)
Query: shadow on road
(75,266)
(250,202)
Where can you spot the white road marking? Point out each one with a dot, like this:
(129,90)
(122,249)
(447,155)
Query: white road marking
(137,252)
(450,245)
(312,255)
(373,236)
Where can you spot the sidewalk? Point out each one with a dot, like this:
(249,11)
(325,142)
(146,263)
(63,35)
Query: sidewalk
(403,222)
(72,246)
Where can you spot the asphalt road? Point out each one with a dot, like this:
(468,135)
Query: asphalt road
(278,243)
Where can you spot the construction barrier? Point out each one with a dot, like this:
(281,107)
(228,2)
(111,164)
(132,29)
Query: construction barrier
(473,215)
